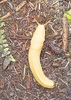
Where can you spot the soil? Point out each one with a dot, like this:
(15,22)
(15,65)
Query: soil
(16,80)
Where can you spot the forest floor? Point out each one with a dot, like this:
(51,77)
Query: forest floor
(16,80)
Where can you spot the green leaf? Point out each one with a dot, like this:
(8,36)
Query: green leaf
(11,58)
(2,37)
(68,15)
(1,47)
(6,49)
(2,41)
(1,32)
(5,52)
(2,24)
(0,20)
(5,45)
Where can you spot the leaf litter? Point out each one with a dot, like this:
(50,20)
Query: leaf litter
(19,28)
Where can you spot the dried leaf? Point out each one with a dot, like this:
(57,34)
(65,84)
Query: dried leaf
(54,48)
(6,62)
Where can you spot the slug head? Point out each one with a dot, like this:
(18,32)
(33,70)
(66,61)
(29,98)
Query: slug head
(38,37)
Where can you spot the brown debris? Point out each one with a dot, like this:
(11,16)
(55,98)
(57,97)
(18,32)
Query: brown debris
(65,34)
(20,5)
(24,72)
(1,84)
(16,9)
(28,81)
(3,1)
(17,82)
(54,48)
(6,16)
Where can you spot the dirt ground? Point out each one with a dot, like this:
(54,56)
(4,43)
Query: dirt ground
(16,80)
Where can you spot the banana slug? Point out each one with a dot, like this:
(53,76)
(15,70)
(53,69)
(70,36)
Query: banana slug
(34,57)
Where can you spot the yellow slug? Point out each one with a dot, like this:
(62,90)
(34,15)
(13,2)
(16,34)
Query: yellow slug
(34,57)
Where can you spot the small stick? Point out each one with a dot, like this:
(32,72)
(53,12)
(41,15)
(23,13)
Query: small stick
(51,36)
(5,16)
(65,34)
(15,70)
(20,5)
(55,32)
(16,9)
(31,4)
(22,86)
(64,82)
(3,1)
(67,64)
(24,72)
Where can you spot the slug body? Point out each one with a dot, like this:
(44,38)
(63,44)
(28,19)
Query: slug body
(34,57)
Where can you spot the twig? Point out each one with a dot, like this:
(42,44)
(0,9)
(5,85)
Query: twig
(51,36)
(3,1)
(55,32)
(22,86)
(33,95)
(24,71)
(16,9)
(6,16)
(65,34)
(31,4)
(20,5)
(55,2)
(15,70)
(67,64)
(64,82)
